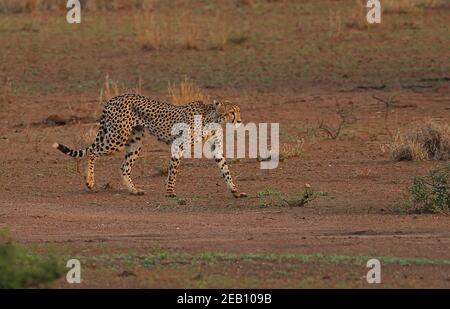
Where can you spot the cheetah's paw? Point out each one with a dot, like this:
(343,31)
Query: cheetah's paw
(237,194)
(137,192)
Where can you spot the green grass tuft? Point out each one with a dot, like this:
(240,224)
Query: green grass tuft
(22,268)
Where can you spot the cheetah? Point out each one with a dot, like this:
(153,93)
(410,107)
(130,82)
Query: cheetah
(125,119)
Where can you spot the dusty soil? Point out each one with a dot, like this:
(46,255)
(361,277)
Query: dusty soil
(44,202)
(44,199)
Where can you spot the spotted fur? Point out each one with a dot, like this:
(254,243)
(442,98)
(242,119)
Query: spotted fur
(124,120)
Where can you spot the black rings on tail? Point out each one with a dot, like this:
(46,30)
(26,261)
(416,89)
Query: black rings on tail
(70,152)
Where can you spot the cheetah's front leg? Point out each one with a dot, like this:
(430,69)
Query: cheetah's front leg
(224,169)
(222,164)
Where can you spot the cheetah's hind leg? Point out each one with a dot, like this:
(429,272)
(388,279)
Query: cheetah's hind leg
(132,149)
(104,144)
(90,170)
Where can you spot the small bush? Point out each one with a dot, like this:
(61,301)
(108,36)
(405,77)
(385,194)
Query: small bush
(21,268)
(346,117)
(305,197)
(431,193)
(429,142)
(274,198)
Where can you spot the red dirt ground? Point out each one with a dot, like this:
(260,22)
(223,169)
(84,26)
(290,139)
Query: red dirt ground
(44,199)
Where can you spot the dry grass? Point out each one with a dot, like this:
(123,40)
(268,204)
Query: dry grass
(84,137)
(389,104)
(400,6)
(149,33)
(219,35)
(412,6)
(334,24)
(35,137)
(27,6)
(191,36)
(7,89)
(428,142)
(112,88)
(294,150)
(162,169)
(364,173)
(187,91)
(156,32)
(239,38)
(357,19)
(32,6)
(108,5)
(245,2)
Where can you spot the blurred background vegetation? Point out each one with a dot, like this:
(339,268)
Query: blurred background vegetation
(258,44)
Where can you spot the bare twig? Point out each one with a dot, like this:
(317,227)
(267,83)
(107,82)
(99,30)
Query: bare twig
(389,104)
(345,118)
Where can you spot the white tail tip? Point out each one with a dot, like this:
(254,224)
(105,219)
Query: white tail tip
(55,145)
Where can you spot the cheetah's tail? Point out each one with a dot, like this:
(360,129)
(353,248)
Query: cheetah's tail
(70,152)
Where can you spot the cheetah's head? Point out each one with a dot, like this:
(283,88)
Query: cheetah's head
(228,112)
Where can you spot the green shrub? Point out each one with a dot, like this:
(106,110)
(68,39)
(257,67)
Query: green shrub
(270,197)
(268,192)
(305,197)
(21,268)
(431,193)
